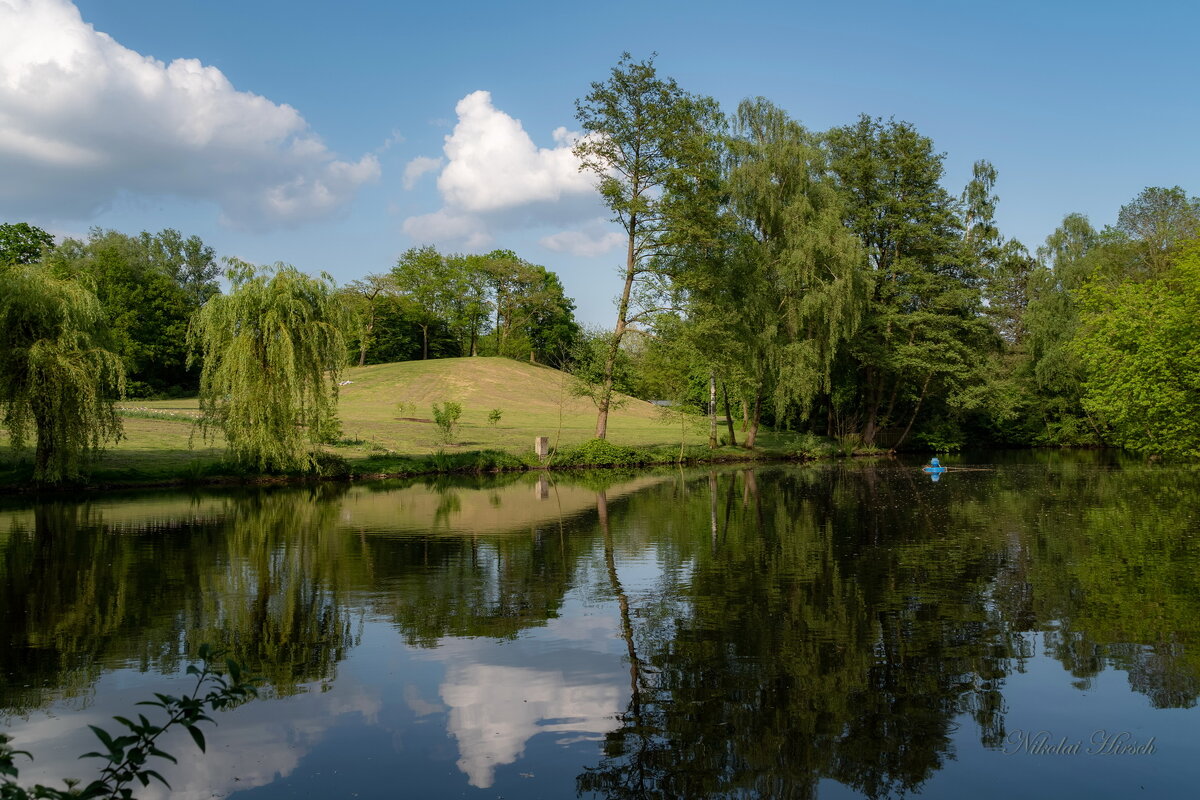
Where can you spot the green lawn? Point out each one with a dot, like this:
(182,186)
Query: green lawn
(387,409)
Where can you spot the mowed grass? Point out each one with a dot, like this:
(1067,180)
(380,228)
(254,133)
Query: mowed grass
(390,406)
(388,409)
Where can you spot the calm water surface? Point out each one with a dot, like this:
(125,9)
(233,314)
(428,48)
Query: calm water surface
(835,631)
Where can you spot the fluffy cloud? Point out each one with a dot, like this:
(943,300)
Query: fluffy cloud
(496,177)
(83,120)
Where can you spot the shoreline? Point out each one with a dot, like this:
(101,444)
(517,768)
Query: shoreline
(356,474)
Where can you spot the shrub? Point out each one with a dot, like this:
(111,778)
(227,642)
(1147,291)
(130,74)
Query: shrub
(330,465)
(494,417)
(446,416)
(601,452)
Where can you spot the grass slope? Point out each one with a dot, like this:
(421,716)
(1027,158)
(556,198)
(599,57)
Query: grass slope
(533,401)
(387,409)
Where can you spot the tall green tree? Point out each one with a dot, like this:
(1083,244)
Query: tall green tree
(1051,319)
(364,299)
(58,381)
(644,137)
(923,335)
(470,306)
(189,263)
(798,285)
(22,243)
(273,350)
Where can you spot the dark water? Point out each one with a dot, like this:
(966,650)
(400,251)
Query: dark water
(827,631)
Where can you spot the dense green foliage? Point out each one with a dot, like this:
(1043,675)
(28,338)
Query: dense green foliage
(22,243)
(433,305)
(58,380)
(148,286)
(1139,346)
(830,283)
(273,350)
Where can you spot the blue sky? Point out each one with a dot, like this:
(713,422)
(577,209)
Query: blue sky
(316,133)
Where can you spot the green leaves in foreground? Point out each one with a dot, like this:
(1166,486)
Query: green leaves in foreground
(128,753)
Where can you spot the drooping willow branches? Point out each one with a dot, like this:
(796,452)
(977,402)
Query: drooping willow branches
(57,380)
(272,352)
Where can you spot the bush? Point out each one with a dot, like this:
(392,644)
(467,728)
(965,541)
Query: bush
(330,465)
(494,416)
(602,453)
(446,416)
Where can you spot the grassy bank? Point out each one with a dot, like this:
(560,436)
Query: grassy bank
(388,428)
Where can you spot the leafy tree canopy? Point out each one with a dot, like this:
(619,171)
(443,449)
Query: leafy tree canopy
(273,350)
(22,243)
(57,380)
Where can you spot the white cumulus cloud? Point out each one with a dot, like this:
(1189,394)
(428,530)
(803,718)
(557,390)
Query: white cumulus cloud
(496,177)
(84,119)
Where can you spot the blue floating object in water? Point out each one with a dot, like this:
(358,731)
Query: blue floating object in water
(934,469)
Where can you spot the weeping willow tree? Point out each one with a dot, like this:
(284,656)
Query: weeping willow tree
(57,381)
(796,276)
(272,352)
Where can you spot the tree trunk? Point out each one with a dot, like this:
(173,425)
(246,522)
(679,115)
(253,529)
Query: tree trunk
(874,392)
(614,581)
(753,433)
(728,417)
(362,350)
(712,410)
(497,328)
(44,451)
(712,509)
(610,364)
(913,418)
(424,342)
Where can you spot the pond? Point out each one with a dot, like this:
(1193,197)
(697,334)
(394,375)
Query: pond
(842,630)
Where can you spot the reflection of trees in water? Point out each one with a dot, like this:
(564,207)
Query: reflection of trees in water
(840,622)
(73,595)
(259,575)
(1111,560)
(272,575)
(278,597)
(438,585)
(819,623)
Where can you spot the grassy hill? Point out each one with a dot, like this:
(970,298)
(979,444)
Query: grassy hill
(390,406)
(387,408)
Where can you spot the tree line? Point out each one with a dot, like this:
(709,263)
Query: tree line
(89,322)
(828,282)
